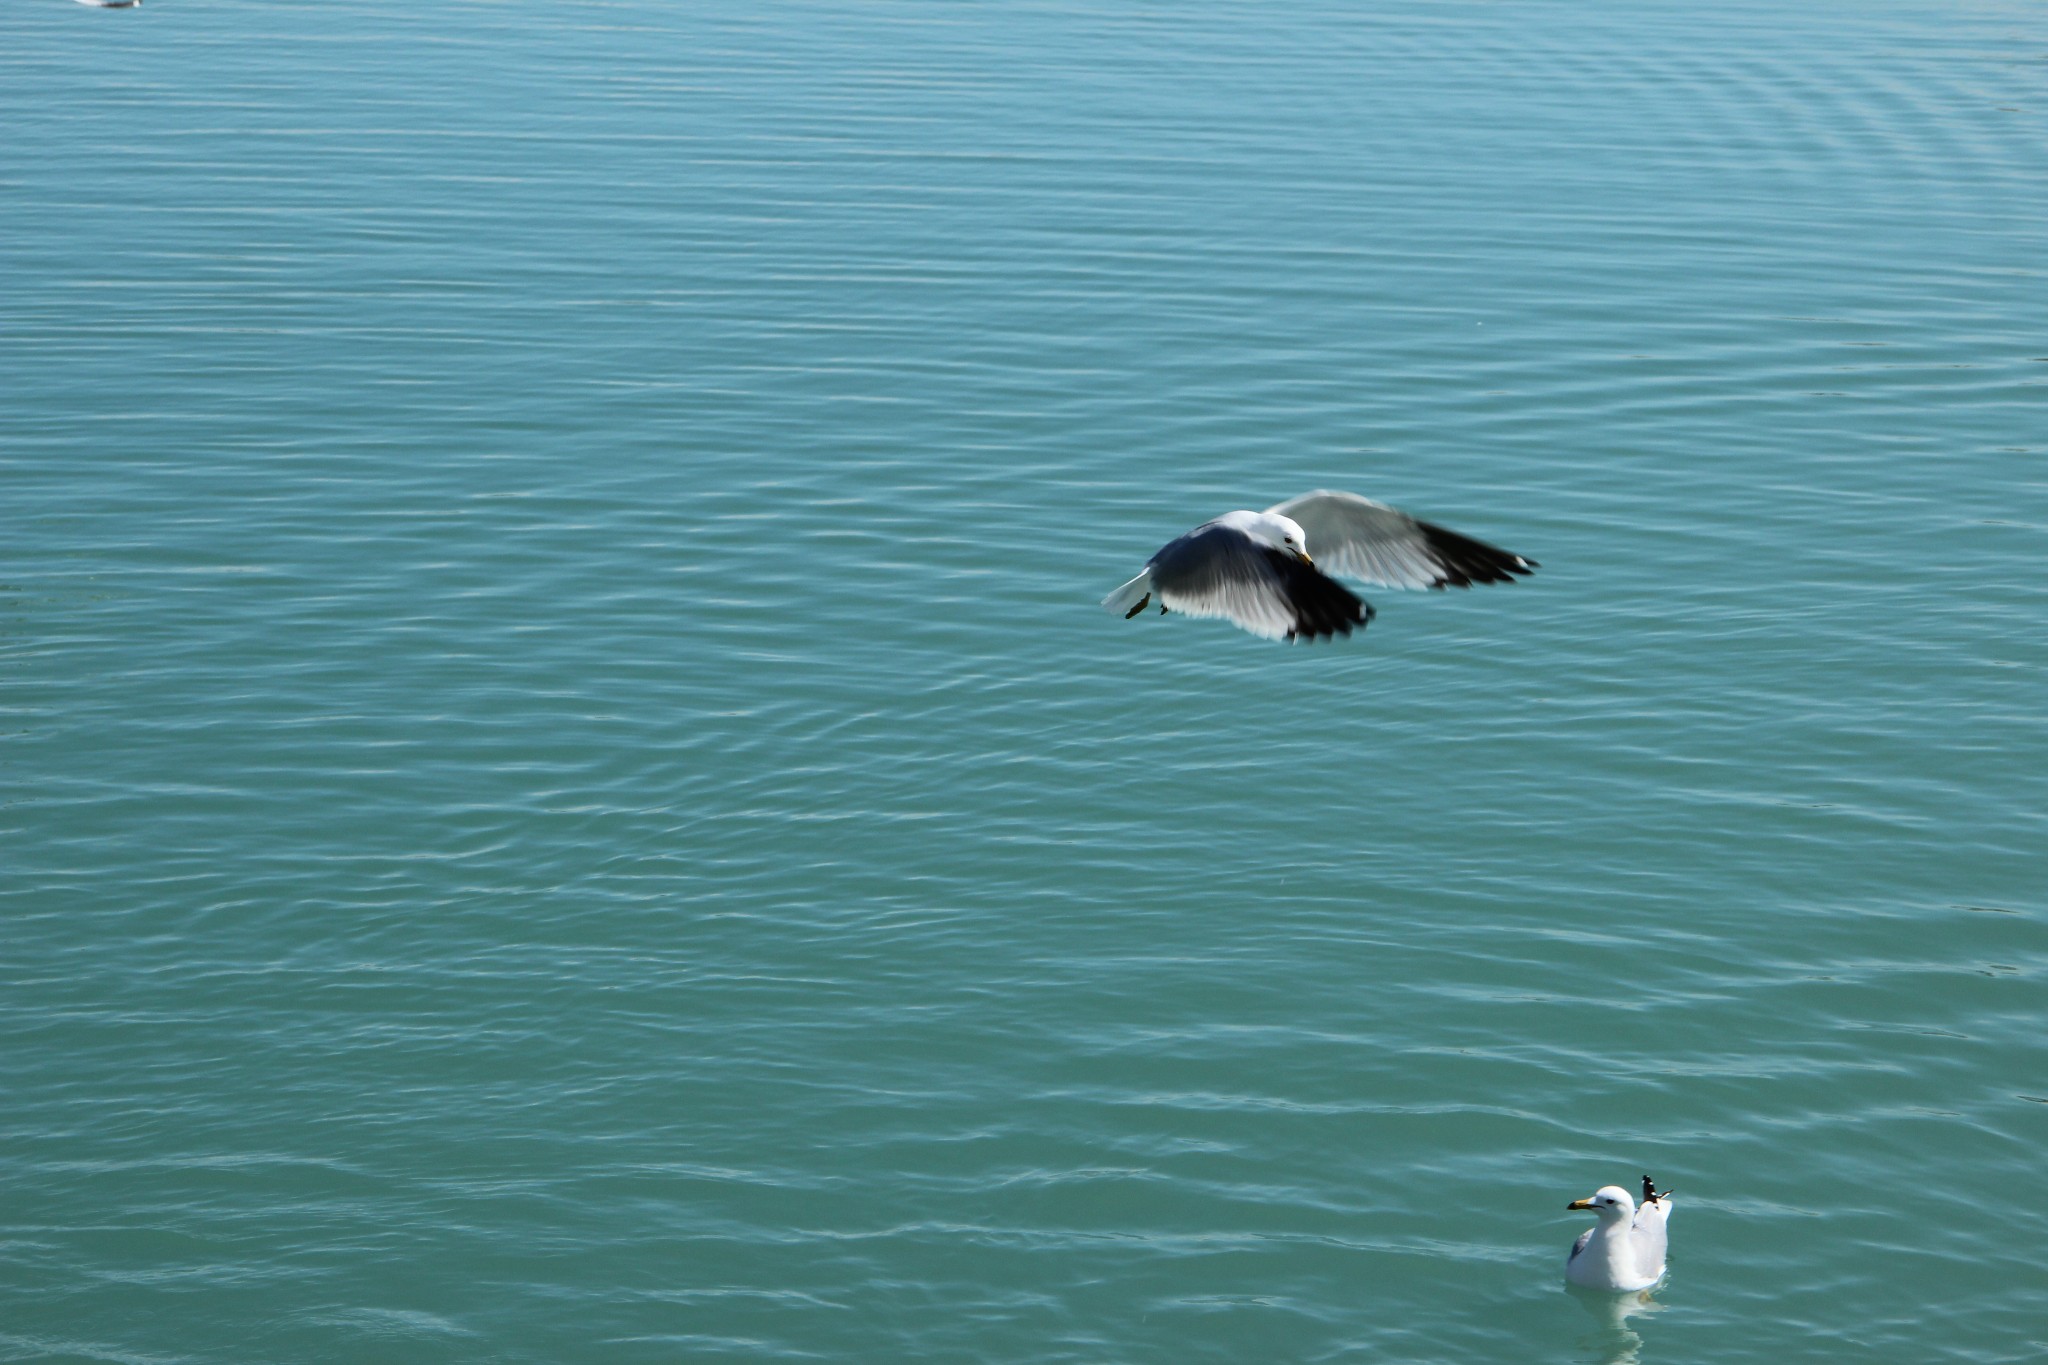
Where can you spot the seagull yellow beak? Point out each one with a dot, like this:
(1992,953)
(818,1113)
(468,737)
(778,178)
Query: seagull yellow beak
(1580,1204)
(1305,559)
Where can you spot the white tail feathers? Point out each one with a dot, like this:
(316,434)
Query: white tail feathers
(1130,594)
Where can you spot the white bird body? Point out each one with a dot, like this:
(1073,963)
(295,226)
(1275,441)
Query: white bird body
(1625,1249)
(1260,570)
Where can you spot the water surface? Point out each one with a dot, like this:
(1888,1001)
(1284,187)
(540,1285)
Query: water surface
(566,796)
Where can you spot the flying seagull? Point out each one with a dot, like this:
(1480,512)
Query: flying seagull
(1257,569)
(1625,1249)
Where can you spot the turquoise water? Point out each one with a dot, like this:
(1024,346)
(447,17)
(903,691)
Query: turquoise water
(567,797)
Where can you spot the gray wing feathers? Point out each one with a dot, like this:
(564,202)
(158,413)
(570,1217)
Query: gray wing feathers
(1361,538)
(1215,571)
(1647,1235)
(1364,539)
(1578,1246)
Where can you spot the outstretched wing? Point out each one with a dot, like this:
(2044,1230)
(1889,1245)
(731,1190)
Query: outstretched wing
(1220,571)
(1364,539)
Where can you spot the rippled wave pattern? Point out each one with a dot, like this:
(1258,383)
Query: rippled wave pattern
(564,794)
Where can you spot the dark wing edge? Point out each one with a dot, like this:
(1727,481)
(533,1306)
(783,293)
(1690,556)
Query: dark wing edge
(1462,561)
(1323,608)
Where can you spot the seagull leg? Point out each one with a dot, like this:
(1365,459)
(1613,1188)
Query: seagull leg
(1140,607)
(1162,608)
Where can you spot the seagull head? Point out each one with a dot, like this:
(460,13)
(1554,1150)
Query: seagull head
(1282,533)
(1293,538)
(1610,1203)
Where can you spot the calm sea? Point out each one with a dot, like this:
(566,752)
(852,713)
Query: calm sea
(565,796)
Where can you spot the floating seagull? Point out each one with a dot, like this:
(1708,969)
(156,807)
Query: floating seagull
(111,4)
(1625,1249)
(1255,568)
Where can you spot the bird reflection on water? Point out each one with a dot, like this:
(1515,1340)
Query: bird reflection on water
(1615,1343)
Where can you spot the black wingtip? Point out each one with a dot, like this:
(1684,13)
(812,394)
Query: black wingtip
(1323,608)
(1464,561)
